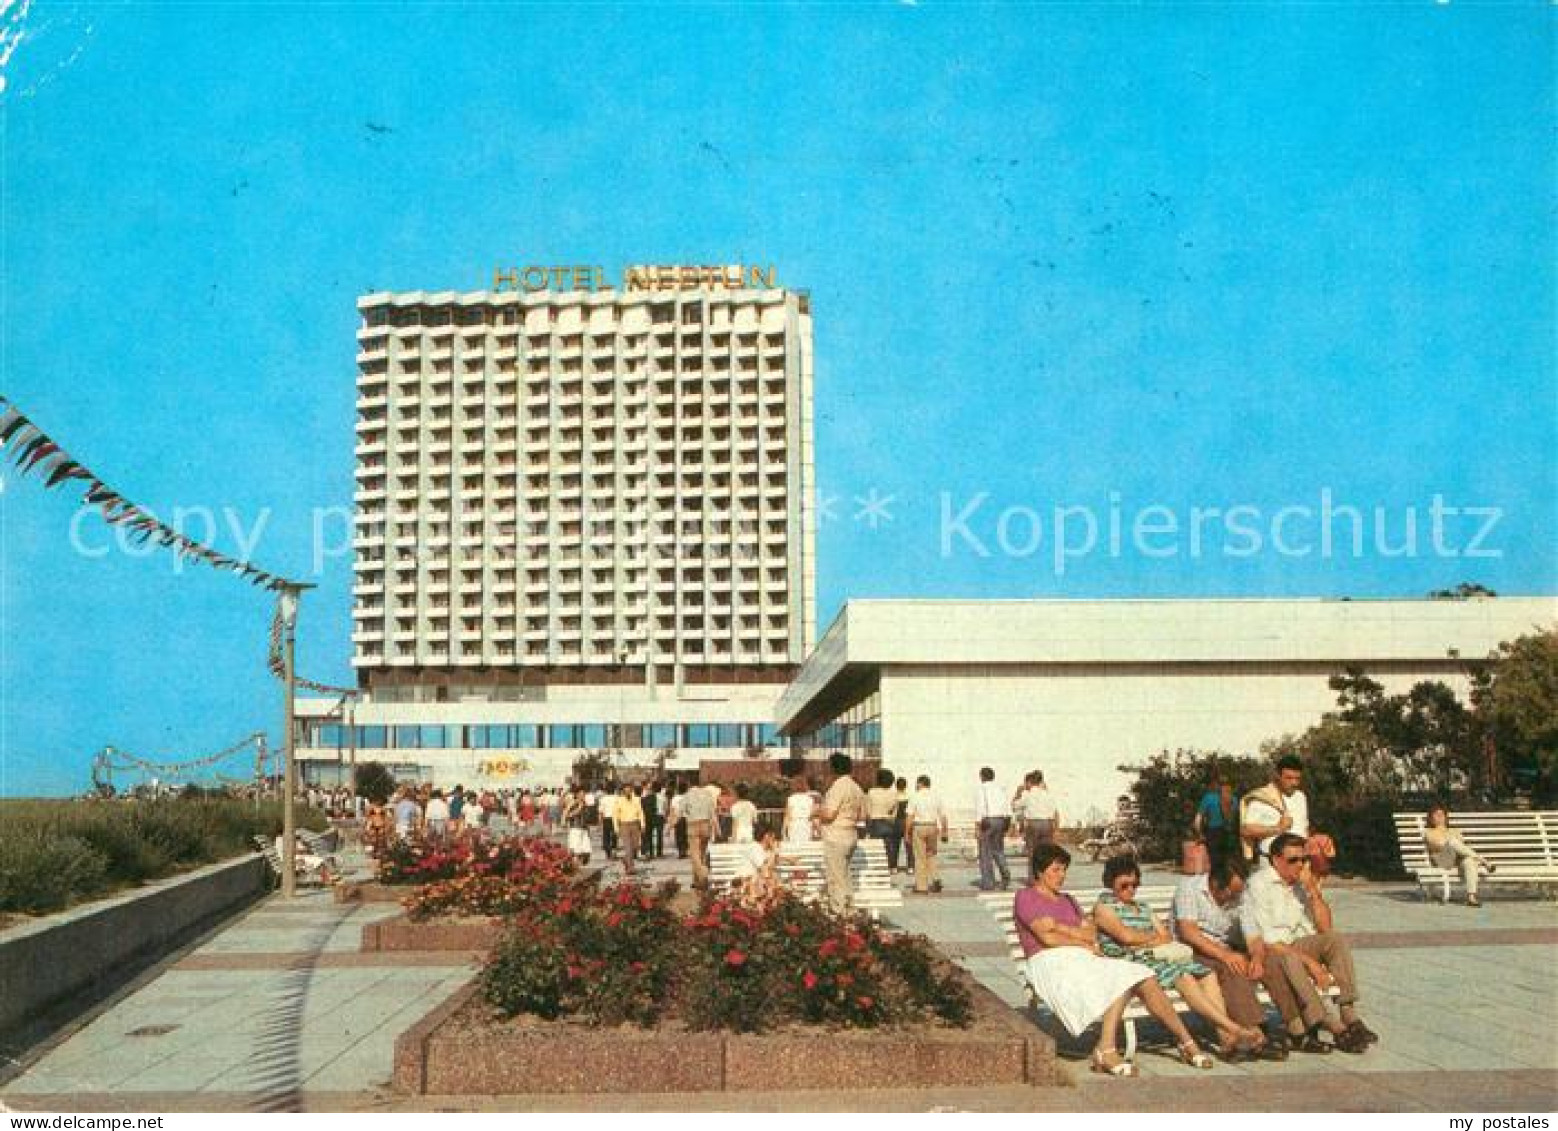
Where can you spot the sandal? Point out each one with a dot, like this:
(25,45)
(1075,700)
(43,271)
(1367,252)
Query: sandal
(1191,1054)
(1349,1041)
(1111,1063)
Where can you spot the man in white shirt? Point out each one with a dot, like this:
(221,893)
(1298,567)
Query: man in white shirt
(437,814)
(1289,930)
(927,823)
(992,815)
(608,823)
(1275,808)
(1039,814)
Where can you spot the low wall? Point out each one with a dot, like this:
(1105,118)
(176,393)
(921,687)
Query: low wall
(441,1056)
(96,945)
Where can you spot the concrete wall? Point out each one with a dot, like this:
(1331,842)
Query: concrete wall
(1078,724)
(47,961)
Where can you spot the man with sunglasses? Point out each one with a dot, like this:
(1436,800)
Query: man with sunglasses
(1294,947)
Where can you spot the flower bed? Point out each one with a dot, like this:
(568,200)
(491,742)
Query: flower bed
(596,989)
(621,955)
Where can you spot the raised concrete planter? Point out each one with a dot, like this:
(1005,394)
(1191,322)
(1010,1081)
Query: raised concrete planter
(370,891)
(401,933)
(444,1054)
(47,961)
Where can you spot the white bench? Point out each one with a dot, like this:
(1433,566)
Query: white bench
(1522,845)
(1159,899)
(266,846)
(800,868)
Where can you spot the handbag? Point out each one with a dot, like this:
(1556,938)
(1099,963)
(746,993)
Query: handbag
(1171,952)
(1322,851)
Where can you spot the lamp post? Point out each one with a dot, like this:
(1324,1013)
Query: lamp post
(291,595)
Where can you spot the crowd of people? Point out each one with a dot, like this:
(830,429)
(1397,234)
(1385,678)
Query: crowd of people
(1255,916)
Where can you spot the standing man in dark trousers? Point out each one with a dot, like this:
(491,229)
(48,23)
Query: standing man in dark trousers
(678,818)
(992,815)
(653,822)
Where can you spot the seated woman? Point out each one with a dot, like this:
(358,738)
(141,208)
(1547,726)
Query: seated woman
(1128,929)
(1069,972)
(1449,850)
(756,881)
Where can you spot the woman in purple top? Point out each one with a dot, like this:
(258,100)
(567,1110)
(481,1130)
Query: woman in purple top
(1071,976)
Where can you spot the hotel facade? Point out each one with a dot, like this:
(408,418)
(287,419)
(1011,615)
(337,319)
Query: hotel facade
(583,524)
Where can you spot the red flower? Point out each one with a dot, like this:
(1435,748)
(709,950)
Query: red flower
(735,958)
(845,980)
(614,919)
(809,980)
(828,948)
(865,1001)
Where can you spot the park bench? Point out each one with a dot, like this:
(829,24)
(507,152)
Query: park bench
(266,847)
(1522,845)
(1160,899)
(800,868)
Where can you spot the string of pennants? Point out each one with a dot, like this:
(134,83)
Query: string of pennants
(278,666)
(32,450)
(168,769)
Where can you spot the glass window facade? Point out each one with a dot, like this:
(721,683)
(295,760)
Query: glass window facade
(857,731)
(555,736)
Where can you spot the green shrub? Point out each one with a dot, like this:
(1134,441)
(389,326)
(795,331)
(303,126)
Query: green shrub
(1169,786)
(54,853)
(49,875)
(375,782)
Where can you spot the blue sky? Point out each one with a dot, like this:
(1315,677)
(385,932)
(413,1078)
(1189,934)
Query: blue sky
(1188,255)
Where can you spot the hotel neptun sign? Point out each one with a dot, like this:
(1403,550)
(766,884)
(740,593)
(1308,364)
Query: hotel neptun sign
(532,277)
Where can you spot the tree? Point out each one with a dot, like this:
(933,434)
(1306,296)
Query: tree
(1426,739)
(374,782)
(1169,786)
(1520,701)
(1465,591)
(594,769)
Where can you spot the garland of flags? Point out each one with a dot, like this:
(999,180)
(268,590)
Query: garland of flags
(174,769)
(278,666)
(32,450)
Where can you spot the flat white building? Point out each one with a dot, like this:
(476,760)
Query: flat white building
(583,509)
(1078,688)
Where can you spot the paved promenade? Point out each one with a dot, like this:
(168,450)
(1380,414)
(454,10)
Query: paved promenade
(279,1011)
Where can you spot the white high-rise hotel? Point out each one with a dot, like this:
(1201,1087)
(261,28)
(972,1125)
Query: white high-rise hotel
(583,522)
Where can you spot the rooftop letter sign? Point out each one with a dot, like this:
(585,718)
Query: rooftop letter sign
(533,277)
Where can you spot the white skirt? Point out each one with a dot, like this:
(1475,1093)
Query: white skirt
(1079,985)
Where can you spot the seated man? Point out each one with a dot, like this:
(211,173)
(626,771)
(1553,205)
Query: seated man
(1206,909)
(1289,930)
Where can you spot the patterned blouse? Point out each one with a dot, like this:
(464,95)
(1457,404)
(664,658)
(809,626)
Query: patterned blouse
(1138,917)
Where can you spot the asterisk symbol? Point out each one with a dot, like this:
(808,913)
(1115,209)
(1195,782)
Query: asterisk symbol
(873,508)
(827,509)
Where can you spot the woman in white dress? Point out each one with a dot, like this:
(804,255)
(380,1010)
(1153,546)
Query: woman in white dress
(1078,983)
(798,810)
